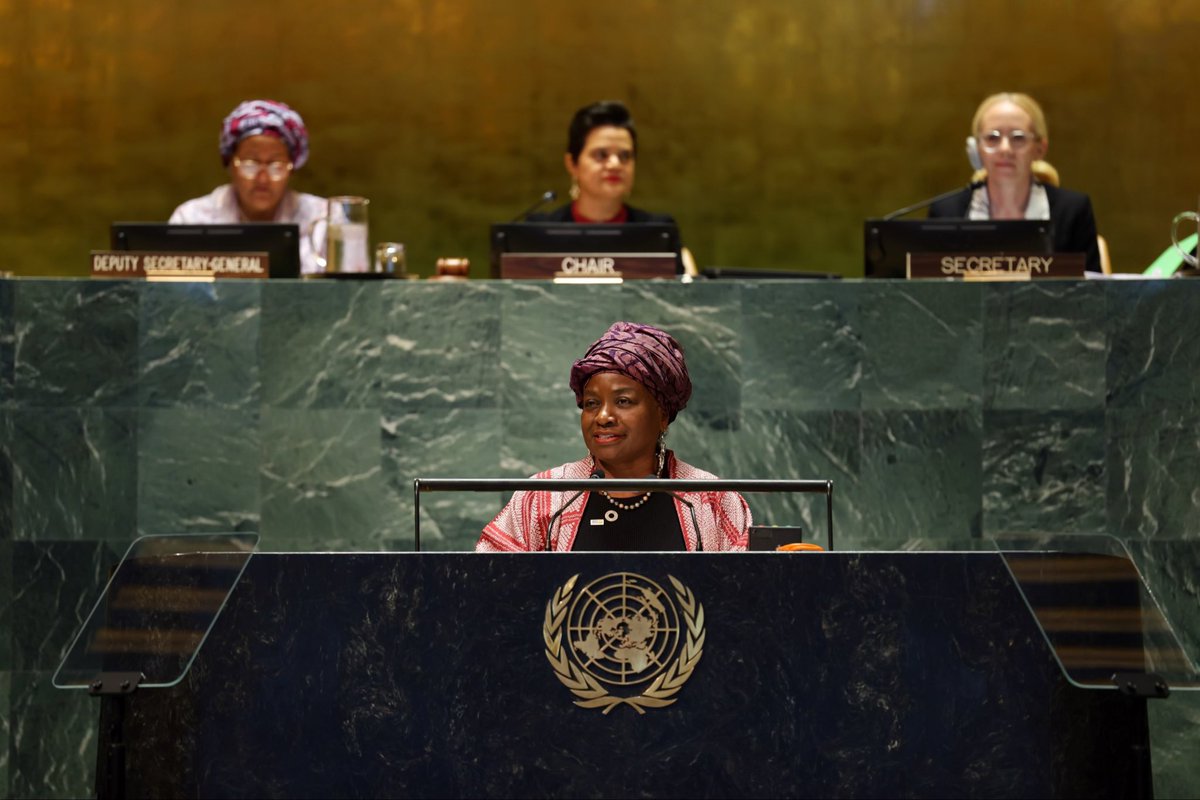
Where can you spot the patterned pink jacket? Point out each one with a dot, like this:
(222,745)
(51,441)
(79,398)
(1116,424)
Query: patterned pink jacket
(724,517)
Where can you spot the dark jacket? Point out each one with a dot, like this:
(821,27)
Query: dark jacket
(563,214)
(1071,213)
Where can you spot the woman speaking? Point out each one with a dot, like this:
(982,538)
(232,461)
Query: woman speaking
(629,386)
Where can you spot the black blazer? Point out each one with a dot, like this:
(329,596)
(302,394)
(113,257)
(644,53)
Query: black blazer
(563,214)
(1071,213)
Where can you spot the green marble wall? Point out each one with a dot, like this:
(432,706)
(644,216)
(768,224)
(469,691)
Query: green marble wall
(942,412)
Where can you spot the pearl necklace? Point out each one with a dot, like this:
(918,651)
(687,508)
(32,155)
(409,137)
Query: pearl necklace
(624,506)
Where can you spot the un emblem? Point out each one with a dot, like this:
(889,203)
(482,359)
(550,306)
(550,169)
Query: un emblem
(623,631)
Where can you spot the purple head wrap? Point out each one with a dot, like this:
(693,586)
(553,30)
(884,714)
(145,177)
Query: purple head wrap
(256,117)
(644,353)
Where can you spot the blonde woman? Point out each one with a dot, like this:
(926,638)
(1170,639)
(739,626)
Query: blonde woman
(1012,138)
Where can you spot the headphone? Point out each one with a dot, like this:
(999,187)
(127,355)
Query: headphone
(973,154)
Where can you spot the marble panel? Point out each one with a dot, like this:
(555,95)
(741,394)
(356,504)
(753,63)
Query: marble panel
(922,345)
(462,443)
(75,344)
(199,345)
(546,327)
(321,344)
(1151,462)
(198,470)
(323,483)
(1043,471)
(920,476)
(7,345)
(1154,358)
(536,440)
(1044,345)
(1174,742)
(6,727)
(55,586)
(6,610)
(53,739)
(770,444)
(801,346)
(6,475)
(706,319)
(74,473)
(1172,571)
(442,345)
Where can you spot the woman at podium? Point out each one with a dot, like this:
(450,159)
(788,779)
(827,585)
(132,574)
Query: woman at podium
(601,158)
(1014,181)
(629,386)
(262,143)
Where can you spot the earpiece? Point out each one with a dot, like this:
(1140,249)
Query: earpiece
(973,154)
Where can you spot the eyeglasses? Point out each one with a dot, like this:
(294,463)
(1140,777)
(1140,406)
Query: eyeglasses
(1018,140)
(601,155)
(248,168)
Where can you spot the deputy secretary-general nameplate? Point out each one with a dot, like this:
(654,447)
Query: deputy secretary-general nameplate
(146,264)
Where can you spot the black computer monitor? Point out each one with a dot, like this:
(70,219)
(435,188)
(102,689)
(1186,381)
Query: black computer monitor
(568,238)
(280,241)
(886,243)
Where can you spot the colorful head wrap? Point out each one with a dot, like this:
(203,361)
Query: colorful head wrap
(644,353)
(256,117)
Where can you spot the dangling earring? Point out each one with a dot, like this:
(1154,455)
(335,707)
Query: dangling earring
(574,192)
(662,453)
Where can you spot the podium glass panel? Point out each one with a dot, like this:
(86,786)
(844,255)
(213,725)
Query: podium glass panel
(157,609)
(1099,617)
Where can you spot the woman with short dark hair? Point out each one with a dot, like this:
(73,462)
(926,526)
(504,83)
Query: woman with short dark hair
(601,159)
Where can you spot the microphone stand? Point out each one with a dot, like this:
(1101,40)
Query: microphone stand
(596,473)
(927,203)
(548,196)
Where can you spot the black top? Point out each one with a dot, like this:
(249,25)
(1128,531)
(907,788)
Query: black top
(653,526)
(563,214)
(1071,213)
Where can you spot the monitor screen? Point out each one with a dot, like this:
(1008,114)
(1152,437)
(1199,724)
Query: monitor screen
(887,243)
(573,238)
(280,241)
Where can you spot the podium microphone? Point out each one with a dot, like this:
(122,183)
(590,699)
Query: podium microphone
(548,196)
(596,473)
(927,203)
(691,511)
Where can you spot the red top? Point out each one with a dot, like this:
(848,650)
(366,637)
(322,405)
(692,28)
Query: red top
(622,215)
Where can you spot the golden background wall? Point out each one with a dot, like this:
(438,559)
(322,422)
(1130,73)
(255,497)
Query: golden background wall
(769,128)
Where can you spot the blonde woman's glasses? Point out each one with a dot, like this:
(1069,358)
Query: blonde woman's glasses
(1017,140)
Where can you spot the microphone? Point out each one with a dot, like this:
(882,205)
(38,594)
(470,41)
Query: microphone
(596,473)
(548,196)
(691,510)
(927,203)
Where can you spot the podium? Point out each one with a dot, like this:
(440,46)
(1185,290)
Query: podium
(446,675)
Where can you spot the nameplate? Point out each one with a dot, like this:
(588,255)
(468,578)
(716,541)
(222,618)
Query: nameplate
(178,266)
(604,267)
(996,266)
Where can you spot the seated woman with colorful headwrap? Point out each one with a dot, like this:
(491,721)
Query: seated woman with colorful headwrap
(629,386)
(262,143)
